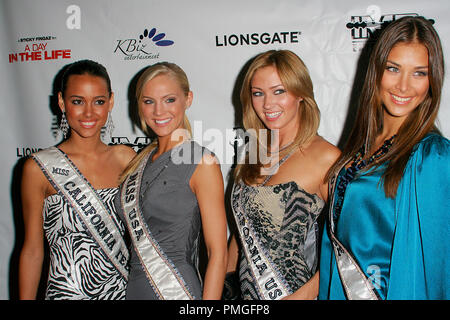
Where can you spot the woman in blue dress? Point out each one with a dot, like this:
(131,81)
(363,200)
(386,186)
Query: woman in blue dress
(388,229)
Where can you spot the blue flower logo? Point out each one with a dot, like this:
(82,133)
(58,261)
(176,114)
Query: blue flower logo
(156,38)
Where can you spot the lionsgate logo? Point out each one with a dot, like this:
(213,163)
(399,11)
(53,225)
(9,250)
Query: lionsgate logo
(143,46)
(26,151)
(363,27)
(253,39)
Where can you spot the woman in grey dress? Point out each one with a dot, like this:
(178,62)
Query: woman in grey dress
(276,203)
(170,191)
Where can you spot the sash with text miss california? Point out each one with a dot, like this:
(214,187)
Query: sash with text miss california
(88,206)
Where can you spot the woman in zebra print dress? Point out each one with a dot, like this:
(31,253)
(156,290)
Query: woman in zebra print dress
(276,200)
(79,263)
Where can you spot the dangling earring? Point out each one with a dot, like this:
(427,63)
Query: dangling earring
(64,125)
(109,125)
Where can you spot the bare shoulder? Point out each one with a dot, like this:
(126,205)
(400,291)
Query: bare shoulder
(33,177)
(207,171)
(323,151)
(209,159)
(124,150)
(208,164)
(31,170)
(123,153)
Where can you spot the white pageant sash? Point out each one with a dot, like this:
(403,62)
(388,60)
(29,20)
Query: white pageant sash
(161,273)
(268,282)
(354,281)
(89,207)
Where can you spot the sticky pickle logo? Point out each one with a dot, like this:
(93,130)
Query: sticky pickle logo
(363,27)
(37,48)
(141,47)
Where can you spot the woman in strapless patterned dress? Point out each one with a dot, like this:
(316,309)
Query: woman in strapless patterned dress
(277,200)
(56,184)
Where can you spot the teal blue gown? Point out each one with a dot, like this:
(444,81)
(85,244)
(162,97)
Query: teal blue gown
(401,244)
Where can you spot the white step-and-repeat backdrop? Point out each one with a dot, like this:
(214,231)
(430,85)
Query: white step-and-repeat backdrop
(211,40)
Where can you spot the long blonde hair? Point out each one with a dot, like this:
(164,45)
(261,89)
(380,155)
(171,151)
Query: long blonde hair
(369,118)
(161,68)
(295,78)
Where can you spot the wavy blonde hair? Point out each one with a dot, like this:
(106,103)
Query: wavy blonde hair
(295,78)
(161,68)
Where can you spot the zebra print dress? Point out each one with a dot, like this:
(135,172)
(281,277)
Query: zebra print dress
(78,269)
(284,216)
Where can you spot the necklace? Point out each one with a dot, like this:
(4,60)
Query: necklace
(281,148)
(273,169)
(358,163)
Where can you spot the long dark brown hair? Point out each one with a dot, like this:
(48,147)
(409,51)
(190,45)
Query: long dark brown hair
(369,119)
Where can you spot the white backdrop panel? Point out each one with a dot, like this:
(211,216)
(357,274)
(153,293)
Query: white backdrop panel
(38,38)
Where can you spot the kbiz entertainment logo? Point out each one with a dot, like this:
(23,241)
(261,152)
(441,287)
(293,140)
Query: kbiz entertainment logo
(142,47)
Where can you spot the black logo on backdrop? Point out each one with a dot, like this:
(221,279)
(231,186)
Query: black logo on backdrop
(137,144)
(26,151)
(363,27)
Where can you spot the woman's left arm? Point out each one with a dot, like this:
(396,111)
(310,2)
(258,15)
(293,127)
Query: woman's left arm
(420,266)
(207,184)
(324,157)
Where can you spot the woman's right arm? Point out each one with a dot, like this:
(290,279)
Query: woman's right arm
(233,254)
(33,190)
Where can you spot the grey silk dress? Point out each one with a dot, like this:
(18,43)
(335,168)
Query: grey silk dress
(172,215)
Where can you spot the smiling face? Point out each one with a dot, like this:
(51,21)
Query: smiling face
(86,103)
(163,104)
(275,106)
(405,81)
